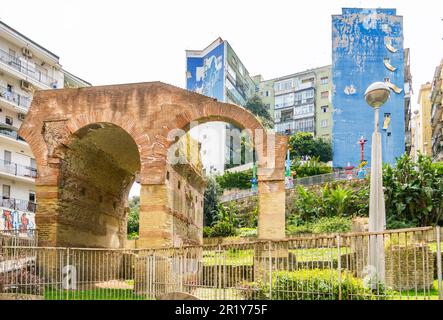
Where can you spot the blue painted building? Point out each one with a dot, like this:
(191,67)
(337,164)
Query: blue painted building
(367,46)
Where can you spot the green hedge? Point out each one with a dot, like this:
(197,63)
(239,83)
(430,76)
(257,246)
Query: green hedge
(235,180)
(320,285)
(322,225)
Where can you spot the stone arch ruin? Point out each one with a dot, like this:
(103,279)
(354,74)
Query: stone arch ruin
(90,145)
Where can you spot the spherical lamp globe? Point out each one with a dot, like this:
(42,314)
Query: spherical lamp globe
(377,94)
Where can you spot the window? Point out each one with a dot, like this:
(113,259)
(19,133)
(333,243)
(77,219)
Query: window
(324,123)
(7,157)
(287,115)
(283,101)
(324,80)
(231,72)
(307,94)
(241,69)
(33,163)
(267,94)
(12,53)
(325,109)
(325,95)
(310,80)
(283,85)
(6,191)
(9,120)
(9,88)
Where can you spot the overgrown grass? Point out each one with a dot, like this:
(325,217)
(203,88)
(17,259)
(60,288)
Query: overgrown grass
(92,294)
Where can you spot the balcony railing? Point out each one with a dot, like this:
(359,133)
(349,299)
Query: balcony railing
(15,98)
(16,204)
(37,73)
(11,134)
(17,169)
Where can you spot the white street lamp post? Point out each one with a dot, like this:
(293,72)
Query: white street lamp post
(376,95)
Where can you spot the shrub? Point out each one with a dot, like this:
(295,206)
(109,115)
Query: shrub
(247,232)
(332,225)
(235,180)
(294,230)
(414,191)
(223,229)
(312,167)
(207,232)
(320,285)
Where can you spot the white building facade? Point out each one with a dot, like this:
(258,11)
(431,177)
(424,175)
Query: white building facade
(25,67)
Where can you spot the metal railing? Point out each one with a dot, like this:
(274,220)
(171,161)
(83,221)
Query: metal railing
(330,177)
(11,134)
(307,181)
(15,98)
(37,73)
(17,204)
(18,238)
(17,169)
(331,267)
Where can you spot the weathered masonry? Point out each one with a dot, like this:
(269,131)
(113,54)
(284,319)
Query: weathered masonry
(92,143)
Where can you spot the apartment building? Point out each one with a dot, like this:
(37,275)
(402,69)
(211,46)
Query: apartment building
(367,47)
(437,114)
(25,67)
(300,101)
(217,72)
(423,135)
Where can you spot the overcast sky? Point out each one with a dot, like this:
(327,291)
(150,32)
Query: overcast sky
(114,41)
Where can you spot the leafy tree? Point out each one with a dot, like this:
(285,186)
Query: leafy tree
(133,216)
(303,144)
(211,204)
(257,107)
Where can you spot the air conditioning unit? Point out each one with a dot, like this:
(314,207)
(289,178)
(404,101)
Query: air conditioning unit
(27,53)
(25,85)
(21,117)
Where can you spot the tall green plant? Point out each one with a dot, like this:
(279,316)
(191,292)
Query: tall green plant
(414,191)
(211,203)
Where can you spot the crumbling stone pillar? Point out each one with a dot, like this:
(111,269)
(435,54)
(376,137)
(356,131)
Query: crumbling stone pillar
(46,216)
(156,222)
(271,219)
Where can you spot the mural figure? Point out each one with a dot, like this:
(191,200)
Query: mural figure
(7,218)
(212,75)
(24,223)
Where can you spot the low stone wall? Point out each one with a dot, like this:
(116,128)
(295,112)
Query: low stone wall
(227,276)
(409,268)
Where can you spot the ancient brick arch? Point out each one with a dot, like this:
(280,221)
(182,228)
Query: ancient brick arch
(69,124)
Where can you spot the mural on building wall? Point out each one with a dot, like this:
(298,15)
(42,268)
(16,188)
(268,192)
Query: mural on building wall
(15,220)
(367,46)
(205,75)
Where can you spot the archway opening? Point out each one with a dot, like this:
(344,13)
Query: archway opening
(98,170)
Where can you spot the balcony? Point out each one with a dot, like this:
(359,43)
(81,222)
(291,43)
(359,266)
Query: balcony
(20,205)
(37,73)
(17,170)
(10,131)
(17,100)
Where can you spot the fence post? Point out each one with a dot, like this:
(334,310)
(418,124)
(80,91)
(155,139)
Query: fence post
(339,267)
(67,275)
(270,269)
(439,264)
